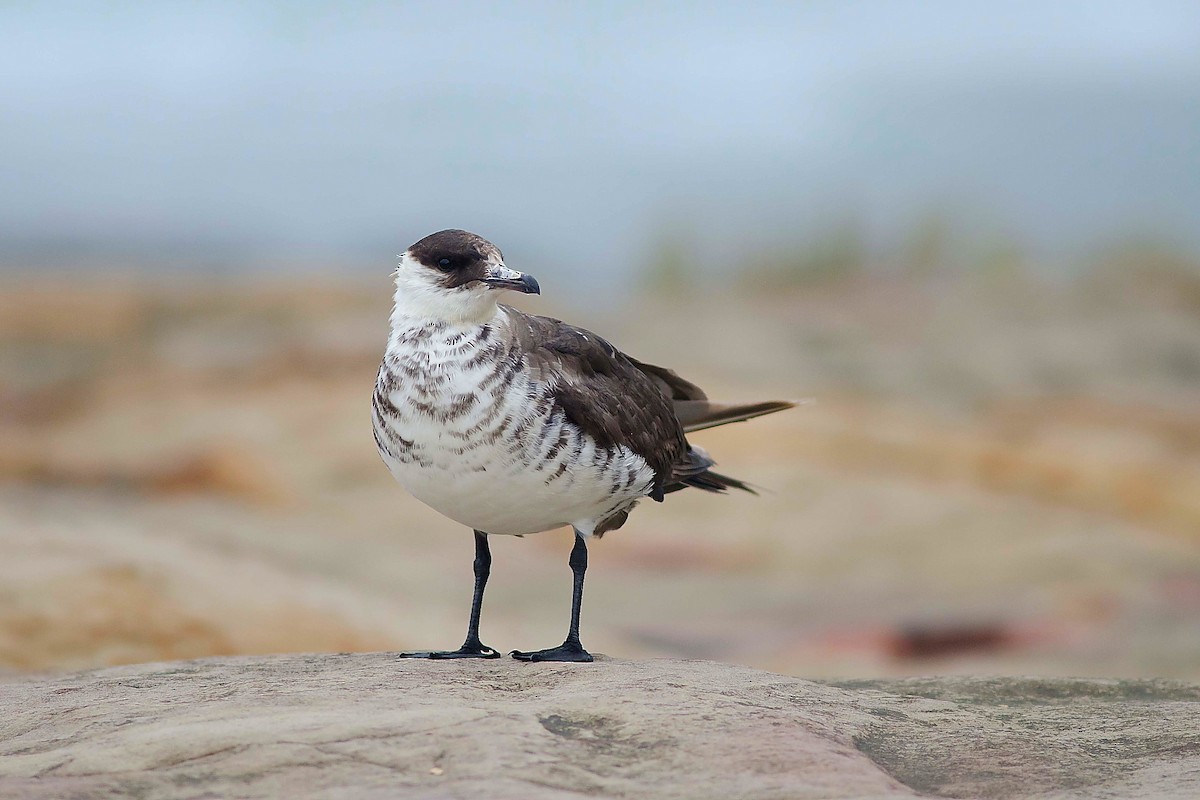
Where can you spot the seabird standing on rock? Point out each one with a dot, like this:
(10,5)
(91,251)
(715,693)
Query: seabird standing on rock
(511,423)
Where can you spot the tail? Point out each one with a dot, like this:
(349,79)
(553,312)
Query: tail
(711,482)
(696,415)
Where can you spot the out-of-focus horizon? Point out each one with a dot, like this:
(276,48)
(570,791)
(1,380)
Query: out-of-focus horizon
(298,135)
(969,231)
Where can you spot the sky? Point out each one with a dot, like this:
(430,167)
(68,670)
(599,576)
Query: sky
(189,135)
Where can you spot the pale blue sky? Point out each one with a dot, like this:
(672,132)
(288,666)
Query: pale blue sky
(297,132)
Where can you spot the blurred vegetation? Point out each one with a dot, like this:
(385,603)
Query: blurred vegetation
(835,254)
(1147,265)
(927,248)
(938,247)
(670,266)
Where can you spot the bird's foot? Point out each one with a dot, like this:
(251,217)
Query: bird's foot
(567,651)
(468,650)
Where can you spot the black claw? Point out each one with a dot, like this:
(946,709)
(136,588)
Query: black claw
(474,651)
(564,652)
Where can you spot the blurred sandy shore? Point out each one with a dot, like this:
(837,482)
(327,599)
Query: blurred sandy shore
(990,480)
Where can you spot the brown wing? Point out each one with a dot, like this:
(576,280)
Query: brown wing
(607,394)
(614,398)
(670,384)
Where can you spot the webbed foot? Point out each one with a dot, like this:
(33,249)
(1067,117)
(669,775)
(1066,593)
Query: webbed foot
(567,651)
(470,650)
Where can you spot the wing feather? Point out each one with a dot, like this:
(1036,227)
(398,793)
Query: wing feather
(605,393)
(614,398)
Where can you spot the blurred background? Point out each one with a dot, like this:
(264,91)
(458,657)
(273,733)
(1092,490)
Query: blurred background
(969,231)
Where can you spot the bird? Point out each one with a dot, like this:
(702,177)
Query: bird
(511,423)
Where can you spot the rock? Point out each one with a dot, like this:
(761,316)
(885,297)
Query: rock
(369,725)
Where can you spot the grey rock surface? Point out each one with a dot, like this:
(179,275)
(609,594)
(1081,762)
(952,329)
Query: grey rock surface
(369,725)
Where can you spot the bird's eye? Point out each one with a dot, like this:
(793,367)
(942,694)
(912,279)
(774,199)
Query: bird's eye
(444,265)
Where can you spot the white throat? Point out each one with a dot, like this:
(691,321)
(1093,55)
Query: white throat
(419,299)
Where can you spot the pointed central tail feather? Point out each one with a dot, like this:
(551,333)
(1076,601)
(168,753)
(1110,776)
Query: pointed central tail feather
(696,415)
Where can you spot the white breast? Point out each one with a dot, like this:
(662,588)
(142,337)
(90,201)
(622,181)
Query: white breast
(468,430)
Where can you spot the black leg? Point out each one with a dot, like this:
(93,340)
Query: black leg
(472,647)
(571,649)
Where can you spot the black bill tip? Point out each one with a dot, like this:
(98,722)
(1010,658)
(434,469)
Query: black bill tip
(503,278)
(529,285)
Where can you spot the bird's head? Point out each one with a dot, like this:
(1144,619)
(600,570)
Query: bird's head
(455,276)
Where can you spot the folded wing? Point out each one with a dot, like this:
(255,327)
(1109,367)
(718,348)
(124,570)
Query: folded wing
(615,398)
